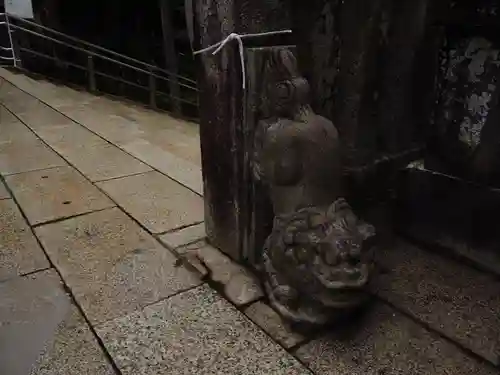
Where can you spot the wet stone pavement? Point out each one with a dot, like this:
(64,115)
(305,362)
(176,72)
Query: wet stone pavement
(104,266)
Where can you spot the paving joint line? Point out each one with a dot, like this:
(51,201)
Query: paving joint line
(64,218)
(142,307)
(177,229)
(34,170)
(124,176)
(21,275)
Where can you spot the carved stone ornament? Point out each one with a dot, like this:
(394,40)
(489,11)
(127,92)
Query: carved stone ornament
(315,263)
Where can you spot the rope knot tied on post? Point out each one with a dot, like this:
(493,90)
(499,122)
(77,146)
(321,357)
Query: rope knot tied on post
(238,37)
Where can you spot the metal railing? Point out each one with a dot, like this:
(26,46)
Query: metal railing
(98,64)
(7,55)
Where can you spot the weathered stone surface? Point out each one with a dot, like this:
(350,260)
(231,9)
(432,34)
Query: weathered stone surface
(13,129)
(55,193)
(15,99)
(111,265)
(118,130)
(150,136)
(184,236)
(6,117)
(269,320)
(240,286)
(27,153)
(452,298)
(41,115)
(195,332)
(149,133)
(189,256)
(19,250)
(178,169)
(156,201)
(4,194)
(17,80)
(6,88)
(58,96)
(42,333)
(386,342)
(95,158)
(65,137)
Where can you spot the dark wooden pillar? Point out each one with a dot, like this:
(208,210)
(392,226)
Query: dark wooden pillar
(222,107)
(171,62)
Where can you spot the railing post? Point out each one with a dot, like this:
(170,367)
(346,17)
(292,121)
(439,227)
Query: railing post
(16,50)
(152,88)
(171,63)
(91,73)
(14,44)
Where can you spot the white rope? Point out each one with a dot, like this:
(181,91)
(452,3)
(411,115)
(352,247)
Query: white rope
(233,36)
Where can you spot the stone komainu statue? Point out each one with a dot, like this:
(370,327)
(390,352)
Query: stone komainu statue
(315,264)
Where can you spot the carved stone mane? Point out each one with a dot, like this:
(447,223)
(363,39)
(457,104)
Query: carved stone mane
(314,262)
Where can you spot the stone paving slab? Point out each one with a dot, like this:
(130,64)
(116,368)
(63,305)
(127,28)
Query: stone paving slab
(141,141)
(111,265)
(4,194)
(42,333)
(386,342)
(118,130)
(19,250)
(55,193)
(94,157)
(195,332)
(16,77)
(59,96)
(6,87)
(240,286)
(127,124)
(13,130)
(458,301)
(184,236)
(180,170)
(66,136)
(16,99)
(269,320)
(42,116)
(156,201)
(6,116)
(27,153)
(180,138)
